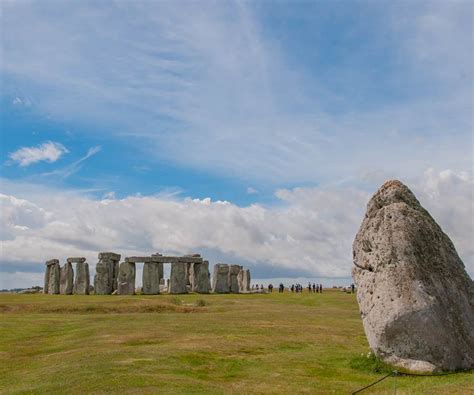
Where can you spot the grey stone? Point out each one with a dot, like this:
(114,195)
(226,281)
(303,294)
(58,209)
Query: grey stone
(243,279)
(66,284)
(199,277)
(47,270)
(81,283)
(233,281)
(105,279)
(415,297)
(220,278)
(151,278)
(164,259)
(126,279)
(54,276)
(178,278)
(52,262)
(76,259)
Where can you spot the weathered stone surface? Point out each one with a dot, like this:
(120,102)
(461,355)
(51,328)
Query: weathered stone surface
(220,278)
(243,279)
(52,262)
(106,272)
(66,282)
(151,278)
(178,278)
(53,276)
(126,279)
(76,259)
(234,271)
(81,283)
(47,270)
(164,259)
(415,297)
(199,277)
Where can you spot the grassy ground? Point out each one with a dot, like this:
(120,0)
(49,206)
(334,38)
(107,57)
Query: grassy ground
(194,344)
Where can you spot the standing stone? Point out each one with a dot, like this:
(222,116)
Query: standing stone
(234,271)
(105,280)
(151,278)
(178,278)
(66,283)
(81,283)
(54,276)
(220,278)
(47,274)
(126,279)
(415,297)
(200,277)
(244,281)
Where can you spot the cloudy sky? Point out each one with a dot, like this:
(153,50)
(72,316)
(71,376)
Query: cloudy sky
(252,132)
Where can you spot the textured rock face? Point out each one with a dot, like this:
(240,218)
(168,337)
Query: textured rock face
(151,278)
(243,279)
(178,278)
(234,271)
(126,279)
(415,297)
(199,277)
(66,283)
(51,277)
(105,280)
(81,283)
(220,278)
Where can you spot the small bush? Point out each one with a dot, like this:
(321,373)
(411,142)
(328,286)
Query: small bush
(175,300)
(370,363)
(200,303)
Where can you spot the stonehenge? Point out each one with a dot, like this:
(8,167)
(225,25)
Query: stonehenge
(189,273)
(243,279)
(66,279)
(234,271)
(220,278)
(81,283)
(106,272)
(51,277)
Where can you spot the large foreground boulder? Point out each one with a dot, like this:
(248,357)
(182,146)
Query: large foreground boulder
(415,297)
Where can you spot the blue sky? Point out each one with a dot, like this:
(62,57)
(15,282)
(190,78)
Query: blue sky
(270,106)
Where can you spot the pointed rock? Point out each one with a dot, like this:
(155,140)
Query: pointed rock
(415,297)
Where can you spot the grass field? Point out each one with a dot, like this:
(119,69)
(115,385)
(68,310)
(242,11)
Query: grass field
(194,344)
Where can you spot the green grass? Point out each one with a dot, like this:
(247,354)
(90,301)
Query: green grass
(194,344)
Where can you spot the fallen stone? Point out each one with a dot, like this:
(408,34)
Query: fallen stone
(415,297)
(234,271)
(220,278)
(178,278)
(66,283)
(126,279)
(151,278)
(81,283)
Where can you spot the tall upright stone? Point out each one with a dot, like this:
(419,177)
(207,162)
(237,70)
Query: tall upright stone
(50,271)
(199,277)
(243,279)
(105,280)
(178,278)
(234,271)
(66,282)
(81,283)
(151,278)
(126,279)
(220,278)
(415,297)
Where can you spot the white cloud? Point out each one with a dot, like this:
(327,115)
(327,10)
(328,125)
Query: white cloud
(48,152)
(251,191)
(311,230)
(74,166)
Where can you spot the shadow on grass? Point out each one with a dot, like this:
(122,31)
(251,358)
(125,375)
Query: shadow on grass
(370,364)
